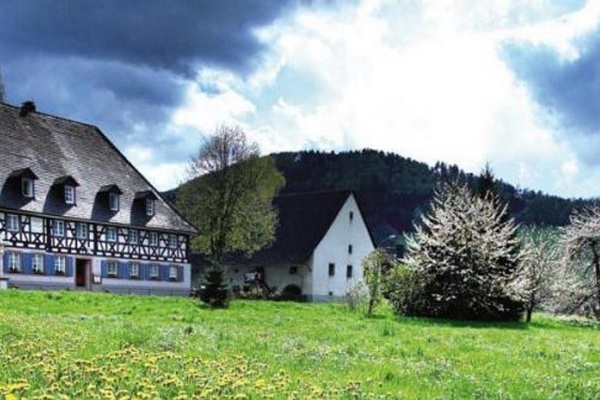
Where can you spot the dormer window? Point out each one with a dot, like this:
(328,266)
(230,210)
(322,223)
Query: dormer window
(26,178)
(113,201)
(147,200)
(111,194)
(66,185)
(27,188)
(150,207)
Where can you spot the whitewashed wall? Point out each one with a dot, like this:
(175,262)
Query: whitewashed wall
(333,248)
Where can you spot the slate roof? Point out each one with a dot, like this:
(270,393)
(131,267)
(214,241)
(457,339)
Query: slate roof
(304,219)
(55,148)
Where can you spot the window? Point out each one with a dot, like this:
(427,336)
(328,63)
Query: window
(349,249)
(111,234)
(113,201)
(111,269)
(152,238)
(134,270)
(132,237)
(351,215)
(14,261)
(150,207)
(12,223)
(173,273)
(82,230)
(349,271)
(172,241)
(37,263)
(69,194)
(293,270)
(331,269)
(153,271)
(58,228)
(37,225)
(60,265)
(27,187)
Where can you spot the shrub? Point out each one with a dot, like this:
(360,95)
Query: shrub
(403,287)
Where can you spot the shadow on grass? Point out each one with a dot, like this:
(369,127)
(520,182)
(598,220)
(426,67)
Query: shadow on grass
(423,321)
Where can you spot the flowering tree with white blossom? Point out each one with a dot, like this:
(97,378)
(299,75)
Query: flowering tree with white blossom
(581,241)
(466,251)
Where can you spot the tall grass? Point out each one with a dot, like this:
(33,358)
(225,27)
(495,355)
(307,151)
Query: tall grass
(100,346)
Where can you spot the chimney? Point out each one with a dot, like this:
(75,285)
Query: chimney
(26,108)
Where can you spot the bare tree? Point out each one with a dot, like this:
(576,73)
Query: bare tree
(581,241)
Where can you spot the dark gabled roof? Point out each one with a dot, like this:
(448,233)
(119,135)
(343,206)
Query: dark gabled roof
(23,173)
(304,219)
(65,180)
(53,148)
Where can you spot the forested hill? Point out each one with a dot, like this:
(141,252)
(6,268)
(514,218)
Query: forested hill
(394,190)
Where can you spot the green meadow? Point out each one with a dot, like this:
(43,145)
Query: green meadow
(85,345)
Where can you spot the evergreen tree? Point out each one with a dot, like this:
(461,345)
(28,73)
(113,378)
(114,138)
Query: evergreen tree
(214,291)
(466,253)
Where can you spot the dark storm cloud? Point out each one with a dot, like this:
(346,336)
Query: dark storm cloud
(171,35)
(568,88)
(125,65)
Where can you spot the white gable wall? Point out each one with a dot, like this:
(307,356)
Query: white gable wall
(333,249)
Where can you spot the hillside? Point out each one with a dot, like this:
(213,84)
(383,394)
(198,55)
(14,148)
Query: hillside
(394,189)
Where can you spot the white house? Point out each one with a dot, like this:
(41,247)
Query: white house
(321,241)
(76,214)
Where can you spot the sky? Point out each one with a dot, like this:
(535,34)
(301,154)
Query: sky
(514,84)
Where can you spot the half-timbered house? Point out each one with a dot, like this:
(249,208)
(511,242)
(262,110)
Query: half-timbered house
(76,214)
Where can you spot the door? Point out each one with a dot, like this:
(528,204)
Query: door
(82,272)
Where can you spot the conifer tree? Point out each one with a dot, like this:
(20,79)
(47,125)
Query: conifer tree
(466,252)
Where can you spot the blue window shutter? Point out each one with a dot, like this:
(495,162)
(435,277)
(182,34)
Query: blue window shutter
(5,262)
(103,268)
(69,266)
(49,264)
(123,268)
(163,272)
(145,271)
(26,260)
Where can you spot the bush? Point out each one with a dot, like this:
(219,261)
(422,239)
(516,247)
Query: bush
(403,287)
(357,297)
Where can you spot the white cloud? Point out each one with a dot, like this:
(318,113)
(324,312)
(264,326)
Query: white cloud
(425,81)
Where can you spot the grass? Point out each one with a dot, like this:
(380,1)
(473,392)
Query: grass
(84,345)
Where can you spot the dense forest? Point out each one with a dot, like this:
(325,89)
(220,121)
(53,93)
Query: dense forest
(393,190)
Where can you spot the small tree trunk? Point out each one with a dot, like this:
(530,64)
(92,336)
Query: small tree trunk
(596,264)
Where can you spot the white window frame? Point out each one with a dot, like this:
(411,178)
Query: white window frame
(27,188)
(111,234)
(37,263)
(150,207)
(36,225)
(13,223)
(154,271)
(173,272)
(69,194)
(133,236)
(58,228)
(134,269)
(113,201)
(15,261)
(60,265)
(112,268)
(152,239)
(172,241)
(82,231)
